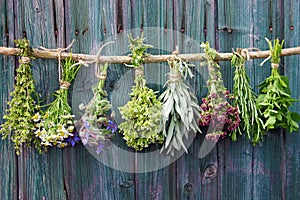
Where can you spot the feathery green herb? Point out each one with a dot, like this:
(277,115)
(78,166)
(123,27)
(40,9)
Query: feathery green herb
(19,124)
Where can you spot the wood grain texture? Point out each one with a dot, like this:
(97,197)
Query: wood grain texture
(8,160)
(232,170)
(292,161)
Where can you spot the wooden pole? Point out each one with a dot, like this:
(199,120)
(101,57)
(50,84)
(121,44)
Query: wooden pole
(148,59)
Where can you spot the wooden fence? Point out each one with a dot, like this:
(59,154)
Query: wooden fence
(233,170)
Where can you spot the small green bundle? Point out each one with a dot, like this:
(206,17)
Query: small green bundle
(18,120)
(245,100)
(56,126)
(97,125)
(275,96)
(180,107)
(142,114)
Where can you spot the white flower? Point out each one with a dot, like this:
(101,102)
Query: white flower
(36,117)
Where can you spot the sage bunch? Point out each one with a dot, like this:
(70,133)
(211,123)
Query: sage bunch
(19,124)
(97,124)
(180,107)
(245,100)
(275,98)
(217,112)
(55,127)
(142,114)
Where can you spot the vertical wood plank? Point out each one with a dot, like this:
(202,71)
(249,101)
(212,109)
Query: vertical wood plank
(86,177)
(292,71)
(40,176)
(267,157)
(235,29)
(8,161)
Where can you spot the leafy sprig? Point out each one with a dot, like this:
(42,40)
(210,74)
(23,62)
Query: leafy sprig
(245,100)
(19,124)
(275,96)
(142,114)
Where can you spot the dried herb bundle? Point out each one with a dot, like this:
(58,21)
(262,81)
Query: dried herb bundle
(98,126)
(180,107)
(217,112)
(18,120)
(56,126)
(245,100)
(142,114)
(275,96)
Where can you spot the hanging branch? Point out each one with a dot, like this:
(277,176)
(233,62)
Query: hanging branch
(148,59)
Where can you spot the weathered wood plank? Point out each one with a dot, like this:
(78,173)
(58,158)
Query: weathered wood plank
(291,36)
(267,157)
(40,176)
(86,177)
(8,161)
(235,158)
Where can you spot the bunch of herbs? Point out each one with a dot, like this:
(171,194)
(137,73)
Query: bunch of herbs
(180,107)
(142,114)
(19,124)
(275,96)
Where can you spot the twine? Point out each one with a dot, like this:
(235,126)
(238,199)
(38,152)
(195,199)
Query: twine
(138,72)
(173,77)
(24,60)
(59,50)
(102,76)
(64,85)
(99,75)
(274,65)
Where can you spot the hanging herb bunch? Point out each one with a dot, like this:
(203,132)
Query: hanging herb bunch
(245,100)
(142,114)
(275,95)
(216,110)
(19,124)
(97,125)
(180,107)
(56,126)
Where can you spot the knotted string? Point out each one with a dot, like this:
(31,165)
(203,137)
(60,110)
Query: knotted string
(98,74)
(138,72)
(59,50)
(274,65)
(24,60)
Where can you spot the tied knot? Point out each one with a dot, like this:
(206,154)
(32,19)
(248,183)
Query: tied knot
(173,77)
(102,75)
(139,72)
(24,60)
(274,65)
(245,54)
(64,85)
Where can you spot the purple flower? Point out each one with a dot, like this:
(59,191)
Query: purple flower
(72,140)
(111,126)
(99,147)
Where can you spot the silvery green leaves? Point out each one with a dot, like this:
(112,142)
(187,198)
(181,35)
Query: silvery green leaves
(19,122)
(245,100)
(180,108)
